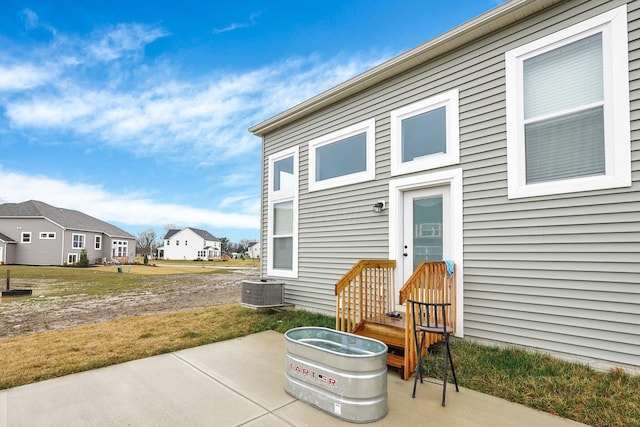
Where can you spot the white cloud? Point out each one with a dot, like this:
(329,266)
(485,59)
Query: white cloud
(236,26)
(23,77)
(122,40)
(31,19)
(205,119)
(32,22)
(128,208)
(243,203)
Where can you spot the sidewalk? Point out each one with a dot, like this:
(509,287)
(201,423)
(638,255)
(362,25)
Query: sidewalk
(238,382)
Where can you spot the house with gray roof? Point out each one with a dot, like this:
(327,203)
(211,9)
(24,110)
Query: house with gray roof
(509,145)
(191,244)
(35,233)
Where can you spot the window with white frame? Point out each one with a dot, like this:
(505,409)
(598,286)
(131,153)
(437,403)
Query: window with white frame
(77,241)
(344,157)
(72,258)
(97,243)
(119,248)
(47,235)
(568,110)
(25,237)
(282,218)
(425,135)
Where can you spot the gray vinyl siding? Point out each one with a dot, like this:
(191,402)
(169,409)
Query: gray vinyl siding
(53,251)
(40,251)
(559,273)
(95,256)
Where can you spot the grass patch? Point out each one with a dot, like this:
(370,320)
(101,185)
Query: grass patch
(570,390)
(36,357)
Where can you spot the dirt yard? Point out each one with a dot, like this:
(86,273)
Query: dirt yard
(170,293)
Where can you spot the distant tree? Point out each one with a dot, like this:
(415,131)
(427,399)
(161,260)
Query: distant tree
(146,241)
(244,244)
(168,227)
(225,245)
(84,259)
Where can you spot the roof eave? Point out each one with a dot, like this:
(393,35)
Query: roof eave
(493,20)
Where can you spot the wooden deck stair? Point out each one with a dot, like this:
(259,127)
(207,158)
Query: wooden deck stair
(390,331)
(365,294)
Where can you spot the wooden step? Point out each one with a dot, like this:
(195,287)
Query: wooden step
(386,335)
(395,360)
(391,332)
(388,330)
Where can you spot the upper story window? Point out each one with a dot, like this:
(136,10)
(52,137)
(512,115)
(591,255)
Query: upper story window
(568,110)
(77,241)
(177,242)
(47,235)
(282,231)
(283,175)
(25,237)
(425,135)
(346,156)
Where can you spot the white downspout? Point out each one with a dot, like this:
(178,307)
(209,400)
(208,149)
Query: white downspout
(62,247)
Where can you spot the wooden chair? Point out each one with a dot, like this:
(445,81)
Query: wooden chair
(431,318)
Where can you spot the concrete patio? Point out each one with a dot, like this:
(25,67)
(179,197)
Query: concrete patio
(238,382)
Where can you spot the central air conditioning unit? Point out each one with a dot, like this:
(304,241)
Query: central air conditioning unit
(262,293)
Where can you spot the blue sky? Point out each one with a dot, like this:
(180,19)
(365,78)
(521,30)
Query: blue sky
(136,112)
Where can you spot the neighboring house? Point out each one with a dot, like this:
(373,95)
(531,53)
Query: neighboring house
(7,250)
(503,145)
(189,243)
(254,250)
(35,233)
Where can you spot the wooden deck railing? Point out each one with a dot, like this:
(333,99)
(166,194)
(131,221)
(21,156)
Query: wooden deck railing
(430,282)
(365,291)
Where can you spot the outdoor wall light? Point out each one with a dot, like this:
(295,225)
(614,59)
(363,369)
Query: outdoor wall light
(380,206)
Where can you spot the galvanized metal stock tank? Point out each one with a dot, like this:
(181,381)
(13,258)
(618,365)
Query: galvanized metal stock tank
(342,374)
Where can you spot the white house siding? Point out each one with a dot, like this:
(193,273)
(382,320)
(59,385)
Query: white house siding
(559,273)
(188,251)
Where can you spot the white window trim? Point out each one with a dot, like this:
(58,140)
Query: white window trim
(449,100)
(97,242)
(45,235)
(120,248)
(22,236)
(369,128)
(74,256)
(613,25)
(278,197)
(84,241)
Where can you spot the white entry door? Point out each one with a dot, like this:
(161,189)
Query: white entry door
(426,227)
